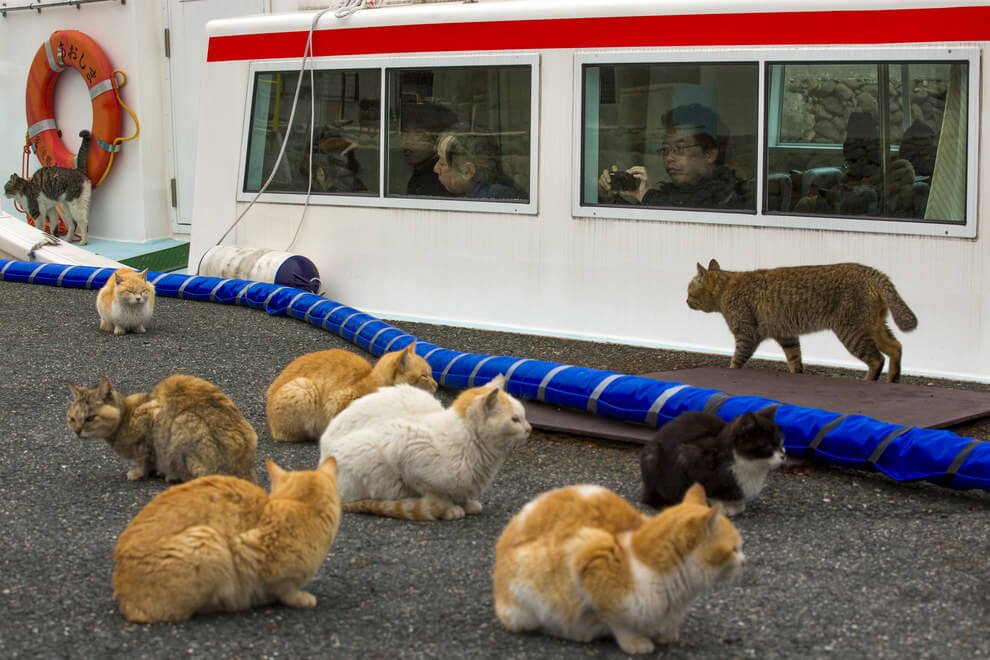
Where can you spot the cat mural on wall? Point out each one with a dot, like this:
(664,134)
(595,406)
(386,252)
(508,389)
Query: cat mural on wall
(849,299)
(52,185)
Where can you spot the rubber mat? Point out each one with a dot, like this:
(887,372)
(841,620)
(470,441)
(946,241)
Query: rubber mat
(897,403)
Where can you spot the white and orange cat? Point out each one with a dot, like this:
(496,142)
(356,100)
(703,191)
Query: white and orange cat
(402,454)
(315,387)
(126,302)
(581,563)
(221,544)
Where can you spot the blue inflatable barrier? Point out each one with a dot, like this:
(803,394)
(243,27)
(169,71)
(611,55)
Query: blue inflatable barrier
(852,441)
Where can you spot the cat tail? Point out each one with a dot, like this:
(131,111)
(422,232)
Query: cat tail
(425,508)
(903,316)
(82,158)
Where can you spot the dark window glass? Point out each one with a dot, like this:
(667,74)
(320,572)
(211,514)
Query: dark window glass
(345,148)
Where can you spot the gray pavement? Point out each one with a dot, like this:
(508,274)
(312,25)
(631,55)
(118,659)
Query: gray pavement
(841,563)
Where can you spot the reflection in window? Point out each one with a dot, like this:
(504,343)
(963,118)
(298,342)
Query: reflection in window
(459,132)
(868,139)
(670,135)
(345,150)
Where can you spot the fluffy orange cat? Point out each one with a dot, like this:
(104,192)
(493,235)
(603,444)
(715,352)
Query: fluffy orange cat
(221,544)
(580,563)
(315,387)
(126,302)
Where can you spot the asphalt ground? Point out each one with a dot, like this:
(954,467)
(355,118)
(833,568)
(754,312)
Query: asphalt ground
(842,564)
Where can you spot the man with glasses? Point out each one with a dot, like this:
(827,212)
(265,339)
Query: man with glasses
(693,153)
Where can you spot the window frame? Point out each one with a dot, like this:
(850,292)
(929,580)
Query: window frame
(384,65)
(763,58)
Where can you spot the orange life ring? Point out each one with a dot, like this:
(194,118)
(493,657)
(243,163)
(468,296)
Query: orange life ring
(71,48)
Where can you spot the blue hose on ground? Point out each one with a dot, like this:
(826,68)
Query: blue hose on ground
(853,441)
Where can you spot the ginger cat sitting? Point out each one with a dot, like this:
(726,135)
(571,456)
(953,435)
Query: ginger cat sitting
(315,387)
(126,302)
(580,563)
(221,544)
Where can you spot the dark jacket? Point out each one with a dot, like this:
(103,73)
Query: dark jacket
(424,181)
(723,190)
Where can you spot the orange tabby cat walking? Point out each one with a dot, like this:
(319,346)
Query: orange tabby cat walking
(221,544)
(580,563)
(315,387)
(126,302)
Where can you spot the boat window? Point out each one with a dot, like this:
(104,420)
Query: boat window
(672,135)
(459,133)
(883,140)
(345,153)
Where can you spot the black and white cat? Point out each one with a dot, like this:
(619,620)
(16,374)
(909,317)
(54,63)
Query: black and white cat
(53,185)
(731,460)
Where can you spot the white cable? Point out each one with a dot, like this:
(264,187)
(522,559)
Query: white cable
(309,170)
(288,129)
(344,8)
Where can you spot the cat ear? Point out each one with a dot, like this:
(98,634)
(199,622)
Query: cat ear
(275,473)
(696,495)
(491,401)
(105,389)
(498,382)
(711,519)
(769,412)
(701,269)
(76,390)
(116,278)
(404,355)
(746,422)
(144,274)
(713,265)
(329,465)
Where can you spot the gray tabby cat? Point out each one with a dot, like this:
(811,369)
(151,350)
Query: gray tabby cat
(53,185)
(782,303)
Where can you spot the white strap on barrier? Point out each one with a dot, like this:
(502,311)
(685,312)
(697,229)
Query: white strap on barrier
(41,126)
(55,64)
(101,87)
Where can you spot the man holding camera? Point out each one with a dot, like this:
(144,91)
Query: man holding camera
(693,154)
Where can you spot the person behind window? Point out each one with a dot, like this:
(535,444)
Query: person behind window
(468,166)
(693,154)
(421,124)
(335,167)
(861,187)
(919,146)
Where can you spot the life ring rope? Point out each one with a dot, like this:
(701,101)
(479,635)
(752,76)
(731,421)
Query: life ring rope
(71,49)
(115,147)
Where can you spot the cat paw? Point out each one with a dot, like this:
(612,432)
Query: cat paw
(136,473)
(634,644)
(299,599)
(106,326)
(732,508)
(453,513)
(140,330)
(117,330)
(472,507)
